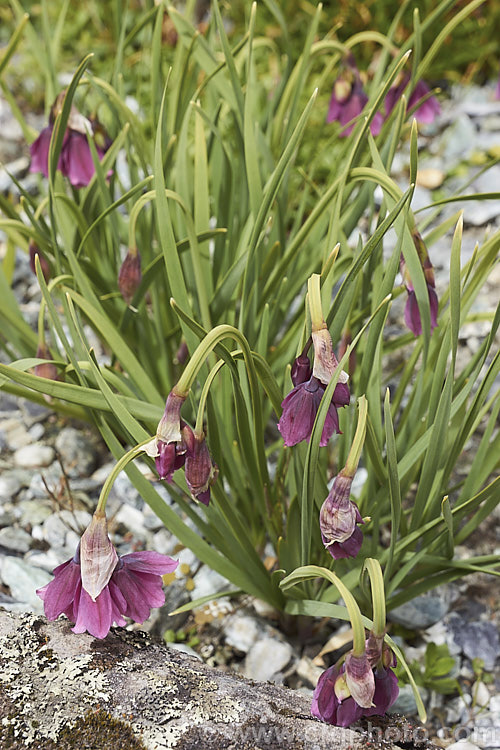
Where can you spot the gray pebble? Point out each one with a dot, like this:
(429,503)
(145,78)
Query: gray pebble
(15,539)
(23,580)
(421,612)
(34,455)
(77,452)
(267,658)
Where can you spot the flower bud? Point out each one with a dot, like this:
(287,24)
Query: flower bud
(360,679)
(45,369)
(98,557)
(168,443)
(200,471)
(337,518)
(33,251)
(301,369)
(130,275)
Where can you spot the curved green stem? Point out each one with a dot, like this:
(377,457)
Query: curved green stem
(372,567)
(359,439)
(117,468)
(307,572)
(315,307)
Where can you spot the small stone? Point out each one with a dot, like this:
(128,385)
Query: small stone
(9,486)
(185,649)
(165,542)
(57,526)
(77,452)
(430,177)
(14,538)
(208,581)
(480,694)
(241,632)
(16,434)
(267,658)
(463,745)
(405,702)
(34,512)
(23,580)
(31,456)
(308,671)
(478,640)
(132,519)
(37,431)
(45,560)
(420,612)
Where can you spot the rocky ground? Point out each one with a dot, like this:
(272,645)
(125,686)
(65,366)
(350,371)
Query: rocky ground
(51,471)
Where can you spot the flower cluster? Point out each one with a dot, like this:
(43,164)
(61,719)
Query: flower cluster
(176,445)
(301,405)
(75,159)
(349,99)
(363,685)
(97,587)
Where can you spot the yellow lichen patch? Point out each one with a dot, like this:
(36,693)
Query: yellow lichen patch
(189,584)
(168,578)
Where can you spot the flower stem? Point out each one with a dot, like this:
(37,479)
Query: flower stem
(315,308)
(117,468)
(372,567)
(359,439)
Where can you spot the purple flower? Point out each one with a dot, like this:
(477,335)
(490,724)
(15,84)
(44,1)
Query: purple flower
(336,696)
(426,112)
(135,586)
(338,519)
(327,706)
(497,90)
(200,470)
(412,313)
(75,159)
(130,275)
(170,445)
(300,407)
(347,102)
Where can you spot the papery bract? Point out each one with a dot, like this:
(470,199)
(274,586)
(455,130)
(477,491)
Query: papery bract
(130,275)
(338,520)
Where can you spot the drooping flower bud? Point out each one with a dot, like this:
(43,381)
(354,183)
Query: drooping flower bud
(130,275)
(33,251)
(168,445)
(45,369)
(412,312)
(200,470)
(301,369)
(348,101)
(360,679)
(338,519)
(98,557)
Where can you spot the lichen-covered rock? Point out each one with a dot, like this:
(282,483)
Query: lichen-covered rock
(62,691)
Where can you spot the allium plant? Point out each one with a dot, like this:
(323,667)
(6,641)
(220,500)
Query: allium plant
(242,204)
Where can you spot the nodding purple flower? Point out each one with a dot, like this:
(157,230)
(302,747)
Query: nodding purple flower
(75,159)
(412,312)
(338,519)
(170,444)
(128,586)
(426,112)
(200,470)
(347,103)
(341,691)
(327,706)
(301,406)
(130,275)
